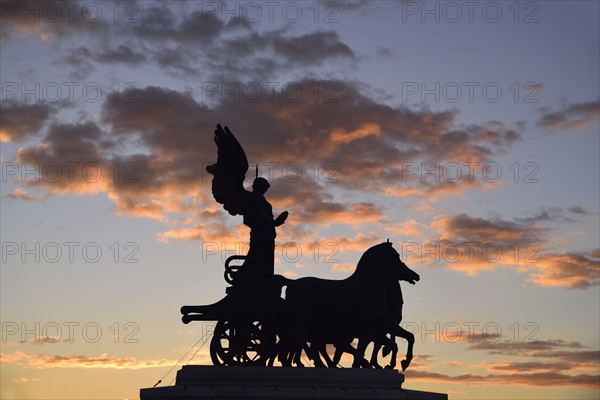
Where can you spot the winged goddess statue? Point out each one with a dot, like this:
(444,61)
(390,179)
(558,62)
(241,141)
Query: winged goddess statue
(228,189)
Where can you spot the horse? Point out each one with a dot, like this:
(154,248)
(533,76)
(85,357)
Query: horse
(323,311)
(394,305)
(393,308)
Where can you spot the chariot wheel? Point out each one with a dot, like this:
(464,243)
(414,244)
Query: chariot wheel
(238,343)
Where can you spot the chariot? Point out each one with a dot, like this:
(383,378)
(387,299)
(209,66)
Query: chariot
(244,333)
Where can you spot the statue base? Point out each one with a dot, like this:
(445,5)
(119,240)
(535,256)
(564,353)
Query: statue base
(262,383)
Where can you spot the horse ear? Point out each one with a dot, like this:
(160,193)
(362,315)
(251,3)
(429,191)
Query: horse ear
(388,242)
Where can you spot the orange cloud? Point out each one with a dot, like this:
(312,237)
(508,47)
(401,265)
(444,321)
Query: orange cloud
(570,270)
(43,361)
(23,195)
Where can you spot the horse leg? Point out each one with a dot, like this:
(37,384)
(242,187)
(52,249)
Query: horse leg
(359,354)
(312,352)
(289,352)
(375,353)
(283,353)
(394,348)
(337,356)
(410,338)
(296,357)
(325,354)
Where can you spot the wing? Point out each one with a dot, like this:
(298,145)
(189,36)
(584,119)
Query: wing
(229,172)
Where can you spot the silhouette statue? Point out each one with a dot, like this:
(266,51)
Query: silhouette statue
(337,311)
(256,325)
(227,187)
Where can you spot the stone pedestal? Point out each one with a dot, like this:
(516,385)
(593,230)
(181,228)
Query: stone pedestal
(195,382)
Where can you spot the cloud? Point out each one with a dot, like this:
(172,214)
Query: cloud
(579,210)
(540,363)
(570,352)
(182,40)
(532,88)
(69,160)
(573,270)
(208,233)
(466,228)
(44,361)
(159,23)
(149,156)
(474,244)
(324,133)
(518,367)
(122,54)
(471,337)
(545,215)
(327,127)
(310,48)
(22,121)
(49,22)
(38,340)
(551,355)
(344,267)
(23,195)
(165,176)
(290,274)
(25,380)
(541,379)
(573,116)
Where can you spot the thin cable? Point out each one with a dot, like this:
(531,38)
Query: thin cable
(205,339)
(186,353)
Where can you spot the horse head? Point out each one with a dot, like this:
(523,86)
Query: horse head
(383,259)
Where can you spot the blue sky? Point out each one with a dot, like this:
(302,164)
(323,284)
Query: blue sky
(163,237)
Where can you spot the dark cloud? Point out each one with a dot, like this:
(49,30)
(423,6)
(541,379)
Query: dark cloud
(549,214)
(122,54)
(462,227)
(50,20)
(350,5)
(79,59)
(70,158)
(548,363)
(161,24)
(171,133)
(22,121)
(331,133)
(524,366)
(569,354)
(166,122)
(540,379)
(191,43)
(579,210)
(524,348)
(312,48)
(384,52)
(175,60)
(574,116)
(473,337)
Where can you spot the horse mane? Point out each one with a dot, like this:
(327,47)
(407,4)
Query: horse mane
(373,254)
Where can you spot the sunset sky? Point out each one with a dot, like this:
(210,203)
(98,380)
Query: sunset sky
(465,132)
